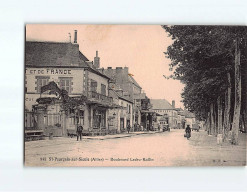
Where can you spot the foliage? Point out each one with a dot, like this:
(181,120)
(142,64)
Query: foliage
(201,56)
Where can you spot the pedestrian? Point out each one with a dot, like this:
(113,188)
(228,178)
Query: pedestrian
(79,132)
(128,128)
(188,131)
(135,126)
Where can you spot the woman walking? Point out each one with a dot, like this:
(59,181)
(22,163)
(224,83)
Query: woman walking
(188,131)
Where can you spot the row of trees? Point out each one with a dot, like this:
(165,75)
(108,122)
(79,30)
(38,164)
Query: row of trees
(211,62)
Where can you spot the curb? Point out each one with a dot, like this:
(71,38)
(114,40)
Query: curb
(118,137)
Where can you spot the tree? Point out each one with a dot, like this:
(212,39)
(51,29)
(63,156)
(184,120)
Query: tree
(204,59)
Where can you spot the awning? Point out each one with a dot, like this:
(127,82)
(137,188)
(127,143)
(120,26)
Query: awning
(103,105)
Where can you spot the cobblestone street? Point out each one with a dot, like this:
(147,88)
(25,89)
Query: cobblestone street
(150,149)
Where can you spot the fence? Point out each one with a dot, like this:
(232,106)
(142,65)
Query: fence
(30,120)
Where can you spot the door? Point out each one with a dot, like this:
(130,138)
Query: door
(121,123)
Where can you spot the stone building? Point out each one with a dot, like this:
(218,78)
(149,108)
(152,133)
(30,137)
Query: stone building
(63,65)
(132,91)
(121,116)
(164,108)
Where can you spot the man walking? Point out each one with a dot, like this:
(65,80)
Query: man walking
(79,132)
(128,128)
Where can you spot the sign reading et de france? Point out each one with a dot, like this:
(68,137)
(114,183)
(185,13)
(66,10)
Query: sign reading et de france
(49,71)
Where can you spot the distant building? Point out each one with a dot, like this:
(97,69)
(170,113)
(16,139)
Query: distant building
(121,116)
(164,108)
(133,91)
(190,118)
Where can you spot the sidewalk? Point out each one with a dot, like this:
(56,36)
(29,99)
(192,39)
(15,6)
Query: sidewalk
(122,135)
(208,153)
(68,140)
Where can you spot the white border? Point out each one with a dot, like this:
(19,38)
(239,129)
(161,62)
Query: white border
(13,16)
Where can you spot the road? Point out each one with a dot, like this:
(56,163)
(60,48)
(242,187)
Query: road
(159,149)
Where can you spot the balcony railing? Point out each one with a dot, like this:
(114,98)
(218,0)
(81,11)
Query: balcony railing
(99,97)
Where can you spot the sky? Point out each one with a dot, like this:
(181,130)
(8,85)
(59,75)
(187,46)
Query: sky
(139,47)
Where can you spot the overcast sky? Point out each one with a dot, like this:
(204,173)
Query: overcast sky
(139,47)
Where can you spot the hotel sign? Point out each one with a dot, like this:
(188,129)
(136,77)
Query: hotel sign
(51,71)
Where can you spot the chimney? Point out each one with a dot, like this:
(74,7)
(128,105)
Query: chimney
(97,60)
(173,103)
(75,38)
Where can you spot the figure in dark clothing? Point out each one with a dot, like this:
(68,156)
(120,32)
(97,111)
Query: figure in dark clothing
(135,127)
(188,131)
(79,132)
(128,128)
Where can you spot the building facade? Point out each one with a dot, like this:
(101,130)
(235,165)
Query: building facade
(121,116)
(132,91)
(164,108)
(62,67)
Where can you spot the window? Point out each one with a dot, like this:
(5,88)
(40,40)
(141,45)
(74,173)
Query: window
(103,89)
(65,83)
(99,119)
(41,81)
(76,116)
(93,85)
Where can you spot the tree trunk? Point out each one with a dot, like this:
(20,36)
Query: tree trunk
(215,120)
(208,124)
(237,106)
(244,88)
(227,109)
(211,119)
(219,103)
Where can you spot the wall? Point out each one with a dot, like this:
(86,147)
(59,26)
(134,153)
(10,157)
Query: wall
(172,114)
(77,75)
(100,80)
(189,121)
(124,112)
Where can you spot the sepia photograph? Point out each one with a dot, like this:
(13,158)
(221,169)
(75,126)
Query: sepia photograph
(134,95)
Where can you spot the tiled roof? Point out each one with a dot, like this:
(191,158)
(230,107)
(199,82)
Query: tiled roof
(112,91)
(53,54)
(160,104)
(83,57)
(131,79)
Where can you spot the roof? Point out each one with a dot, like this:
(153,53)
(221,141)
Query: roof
(97,71)
(131,79)
(56,54)
(161,104)
(83,57)
(119,96)
(41,54)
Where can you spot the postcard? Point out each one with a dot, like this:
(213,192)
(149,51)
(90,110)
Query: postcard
(135,95)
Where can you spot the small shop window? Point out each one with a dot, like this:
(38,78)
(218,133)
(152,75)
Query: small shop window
(76,116)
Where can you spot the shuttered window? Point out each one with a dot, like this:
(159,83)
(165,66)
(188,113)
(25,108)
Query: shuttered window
(66,84)
(93,85)
(41,81)
(103,89)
